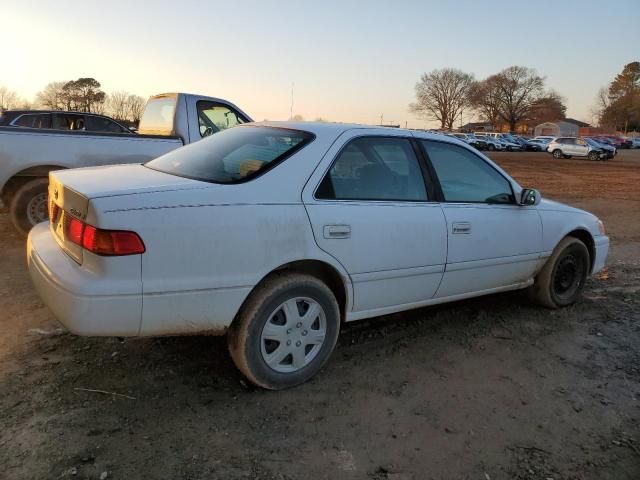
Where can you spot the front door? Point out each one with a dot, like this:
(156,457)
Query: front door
(369,208)
(493,242)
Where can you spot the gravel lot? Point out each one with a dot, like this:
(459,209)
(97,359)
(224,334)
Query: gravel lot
(491,388)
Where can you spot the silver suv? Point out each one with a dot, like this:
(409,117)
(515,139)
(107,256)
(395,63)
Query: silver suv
(567,147)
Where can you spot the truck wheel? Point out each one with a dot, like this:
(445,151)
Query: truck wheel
(29,205)
(561,280)
(285,332)
(557,154)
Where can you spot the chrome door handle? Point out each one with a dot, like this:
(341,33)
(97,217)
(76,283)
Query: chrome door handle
(460,227)
(336,231)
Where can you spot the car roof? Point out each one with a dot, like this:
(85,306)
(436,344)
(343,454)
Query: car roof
(20,112)
(334,129)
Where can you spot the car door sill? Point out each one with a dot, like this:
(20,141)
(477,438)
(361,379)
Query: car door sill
(433,301)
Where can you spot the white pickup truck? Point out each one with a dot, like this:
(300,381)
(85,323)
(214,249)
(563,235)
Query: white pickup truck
(169,121)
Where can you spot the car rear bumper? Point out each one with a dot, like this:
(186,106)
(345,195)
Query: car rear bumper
(601,244)
(63,286)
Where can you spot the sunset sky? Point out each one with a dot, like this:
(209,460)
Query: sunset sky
(348,60)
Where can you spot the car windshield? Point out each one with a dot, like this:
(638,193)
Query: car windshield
(234,155)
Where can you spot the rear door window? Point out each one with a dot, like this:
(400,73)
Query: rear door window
(102,124)
(374,168)
(68,121)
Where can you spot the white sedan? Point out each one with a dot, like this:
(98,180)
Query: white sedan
(276,233)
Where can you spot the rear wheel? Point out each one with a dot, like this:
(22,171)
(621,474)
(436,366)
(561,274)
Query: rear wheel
(561,281)
(29,205)
(285,332)
(557,153)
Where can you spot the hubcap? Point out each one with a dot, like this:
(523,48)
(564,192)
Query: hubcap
(293,335)
(37,209)
(568,276)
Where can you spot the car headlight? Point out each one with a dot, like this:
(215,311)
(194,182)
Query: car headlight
(601,227)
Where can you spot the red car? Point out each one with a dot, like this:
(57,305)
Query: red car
(618,142)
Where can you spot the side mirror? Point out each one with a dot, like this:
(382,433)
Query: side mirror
(530,196)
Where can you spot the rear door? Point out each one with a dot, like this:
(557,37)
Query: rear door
(492,241)
(581,147)
(370,209)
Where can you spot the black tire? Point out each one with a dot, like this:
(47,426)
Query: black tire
(244,338)
(594,156)
(557,154)
(561,280)
(27,203)
(491,147)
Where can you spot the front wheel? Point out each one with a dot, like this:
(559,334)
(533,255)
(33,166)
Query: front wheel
(285,332)
(594,156)
(491,148)
(29,205)
(557,154)
(561,280)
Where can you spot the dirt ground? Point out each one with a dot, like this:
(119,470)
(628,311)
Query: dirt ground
(490,388)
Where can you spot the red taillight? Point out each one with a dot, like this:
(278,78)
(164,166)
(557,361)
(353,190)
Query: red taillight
(102,242)
(73,229)
(111,242)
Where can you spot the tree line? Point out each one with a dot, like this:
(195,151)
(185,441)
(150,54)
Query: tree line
(82,95)
(618,104)
(513,96)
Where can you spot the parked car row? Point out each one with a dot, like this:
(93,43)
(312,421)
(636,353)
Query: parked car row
(598,147)
(498,142)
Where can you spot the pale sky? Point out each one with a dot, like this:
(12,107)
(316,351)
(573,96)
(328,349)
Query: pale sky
(348,60)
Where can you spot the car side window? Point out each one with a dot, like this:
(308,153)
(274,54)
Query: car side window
(68,121)
(101,124)
(34,121)
(374,168)
(214,117)
(465,177)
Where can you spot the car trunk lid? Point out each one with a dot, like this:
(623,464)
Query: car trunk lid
(70,192)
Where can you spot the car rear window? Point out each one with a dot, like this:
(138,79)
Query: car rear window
(235,155)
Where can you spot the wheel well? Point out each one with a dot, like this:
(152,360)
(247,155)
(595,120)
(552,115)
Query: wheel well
(586,238)
(323,271)
(15,182)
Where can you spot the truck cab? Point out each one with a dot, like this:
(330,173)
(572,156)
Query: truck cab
(189,117)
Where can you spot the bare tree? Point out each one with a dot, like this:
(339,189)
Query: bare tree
(8,99)
(485,99)
(442,95)
(135,105)
(117,105)
(52,96)
(519,89)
